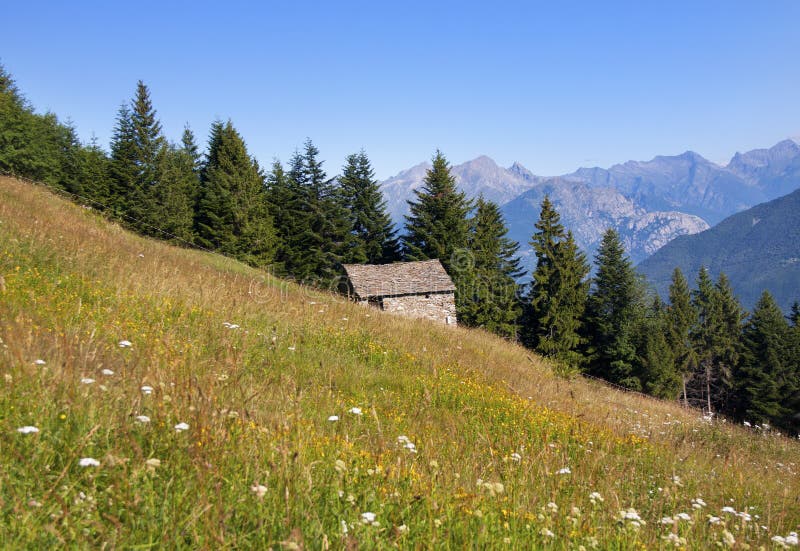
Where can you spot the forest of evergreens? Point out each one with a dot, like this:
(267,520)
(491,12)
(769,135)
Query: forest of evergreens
(700,347)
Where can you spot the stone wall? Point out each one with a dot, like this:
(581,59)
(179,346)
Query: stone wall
(439,307)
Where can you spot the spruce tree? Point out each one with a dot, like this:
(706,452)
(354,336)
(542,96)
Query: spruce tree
(189,146)
(319,231)
(767,377)
(437,226)
(123,162)
(657,364)
(95,171)
(374,235)
(615,310)
(794,315)
(232,212)
(174,193)
(681,318)
(488,296)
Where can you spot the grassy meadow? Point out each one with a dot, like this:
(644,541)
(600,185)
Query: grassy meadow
(158,397)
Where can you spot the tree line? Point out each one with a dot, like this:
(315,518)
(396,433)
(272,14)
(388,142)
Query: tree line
(700,347)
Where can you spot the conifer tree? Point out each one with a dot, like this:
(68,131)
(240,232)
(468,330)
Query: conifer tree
(123,161)
(656,357)
(360,193)
(174,193)
(95,173)
(488,296)
(232,213)
(615,310)
(681,318)
(319,232)
(189,146)
(437,226)
(794,315)
(767,377)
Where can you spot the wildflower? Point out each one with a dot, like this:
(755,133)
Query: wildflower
(698,503)
(27,429)
(340,466)
(747,424)
(87,381)
(729,509)
(565,470)
(230,325)
(683,516)
(728,539)
(88,462)
(713,520)
(147,390)
(402,529)
(40,362)
(333,418)
(260,490)
(292,348)
(792,539)
(355,411)
(745,516)
(181,427)
(677,480)
(125,344)
(631,515)
(552,507)
(516,457)
(594,497)
(667,520)
(142,418)
(437,522)
(547,533)
(368,518)
(344,527)
(674,539)
(152,463)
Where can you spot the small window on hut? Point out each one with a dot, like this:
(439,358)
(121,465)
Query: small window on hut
(427,296)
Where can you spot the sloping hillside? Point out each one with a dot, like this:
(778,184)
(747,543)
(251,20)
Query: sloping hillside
(757,249)
(160,397)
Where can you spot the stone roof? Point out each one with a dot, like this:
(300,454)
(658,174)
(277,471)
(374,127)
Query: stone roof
(400,278)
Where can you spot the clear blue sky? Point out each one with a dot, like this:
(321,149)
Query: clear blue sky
(553,85)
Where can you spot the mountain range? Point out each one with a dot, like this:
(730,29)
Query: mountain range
(650,203)
(757,249)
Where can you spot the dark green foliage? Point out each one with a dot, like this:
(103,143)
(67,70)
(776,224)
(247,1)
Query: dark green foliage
(768,376)
(123,161)
(34,146)
(437,224)
(794,316)
(360,194)
(173,194)
(189,146)
(488,290)
(556,303)
(314,227)
(615,310)
(232,214)
(94,182)
(656,357)
(681,318)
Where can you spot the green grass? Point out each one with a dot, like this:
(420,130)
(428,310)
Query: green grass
(262,466)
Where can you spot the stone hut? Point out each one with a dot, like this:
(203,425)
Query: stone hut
(413,289)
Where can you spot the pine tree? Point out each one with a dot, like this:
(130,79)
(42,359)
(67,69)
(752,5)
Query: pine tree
(766,378)
(123,161)
(174,193)
(232,213)
(360,193)
(437,224)
(657,364)
(189,146)
(615,310)
(95,173)
(319,231)
(488,296)
(794,316)
(681,318)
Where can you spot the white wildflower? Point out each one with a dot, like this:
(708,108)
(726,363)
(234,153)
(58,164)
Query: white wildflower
(344,527)
(547,533)
(40,362)
(667,520)
(142,418)
(368,518)
(88,462)
(674,539)
(180,427)
(355,411)
(152,463)
(683,516)
(565,470)
(698,503)
(87,381)
(28,429)
(729,509)
(714,520)
(260,490)
(107,372)
(516,457)
(552,507)
(594,497)
(402,529)
(125,344)
(728,539)
(147,389)
(333,418)
(792,539)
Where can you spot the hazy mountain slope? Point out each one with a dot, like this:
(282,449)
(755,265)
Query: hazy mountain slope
(758,249)
(588,211)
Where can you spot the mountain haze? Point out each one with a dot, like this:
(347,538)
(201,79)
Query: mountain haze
(757,249)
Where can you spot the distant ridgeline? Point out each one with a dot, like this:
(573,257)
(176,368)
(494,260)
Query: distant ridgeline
(700,347)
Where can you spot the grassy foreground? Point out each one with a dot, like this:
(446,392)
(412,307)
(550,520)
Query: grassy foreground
(251,413)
